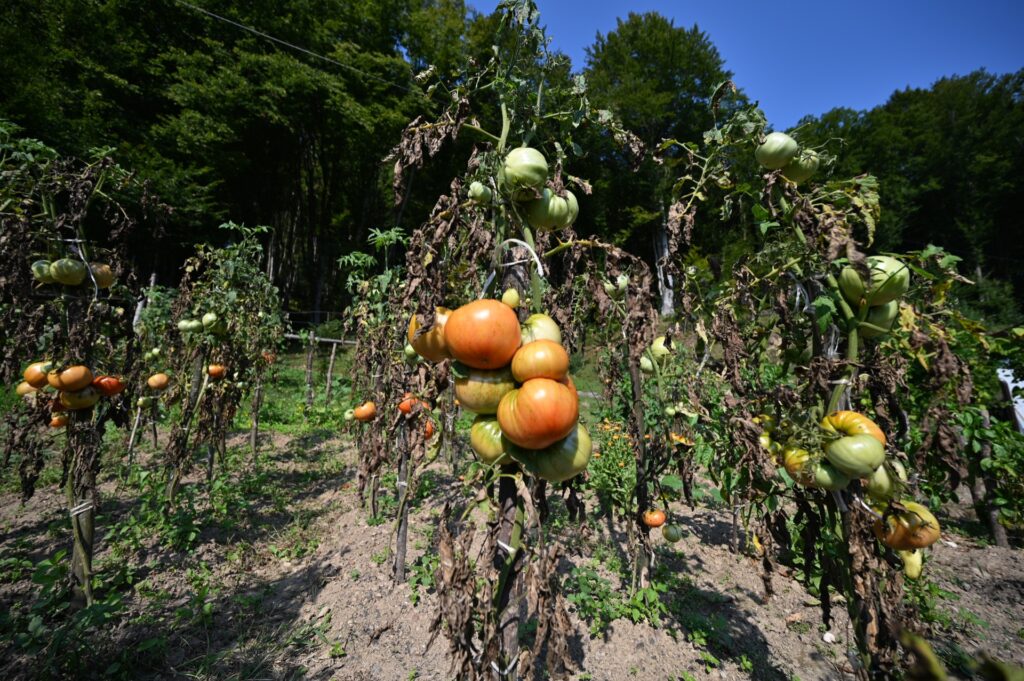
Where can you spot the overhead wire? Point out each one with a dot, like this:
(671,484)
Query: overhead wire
(298,48)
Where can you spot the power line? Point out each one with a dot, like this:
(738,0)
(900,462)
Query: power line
(298,48)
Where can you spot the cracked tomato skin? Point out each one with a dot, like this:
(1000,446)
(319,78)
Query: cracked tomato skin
(539,414)
(483,334)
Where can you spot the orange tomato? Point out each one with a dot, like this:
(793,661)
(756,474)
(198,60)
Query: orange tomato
(539,413)
(428,430)
(915,528)
(36,374)
(430,345)
(72,379)
(540,359)
(407,403)
(216,371)
(158,381)
(365,412)
(483,334)
(59,421)
(654,517)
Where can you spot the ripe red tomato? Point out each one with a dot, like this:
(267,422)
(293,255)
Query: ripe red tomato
(539,413)
(483,334)
(108,385)
(540,359)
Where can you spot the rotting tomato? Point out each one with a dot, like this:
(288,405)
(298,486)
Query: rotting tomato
(483,334)
(852,423)
(480,390)
(539,413)
(540,359)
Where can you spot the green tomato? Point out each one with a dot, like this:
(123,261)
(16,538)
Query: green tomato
(890,279)
(209,319)
(646,365)
(883,484)
(826,476)
(563,460)
(552,212)
(524,170)
(610,289)
(622,282)
(881,316)
(487,441)
(801,168)
(671,533)
(670,411)
(68,272)
(540,327)
(856,456)
(479,193)
(658,349)
(350,414)
(776,151)
(410,353)
(511,298)
(41,272)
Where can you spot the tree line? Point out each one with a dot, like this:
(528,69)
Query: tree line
(223,122)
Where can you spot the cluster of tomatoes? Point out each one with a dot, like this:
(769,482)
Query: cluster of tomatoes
(516,380)
(779,151)
(858,452)
(209,322)
(76,386)
(876,301)
(72,272)
(522,177)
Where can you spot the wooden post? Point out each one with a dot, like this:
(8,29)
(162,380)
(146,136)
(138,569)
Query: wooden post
(254,432)
(310,352)
(330,373)
(402,535)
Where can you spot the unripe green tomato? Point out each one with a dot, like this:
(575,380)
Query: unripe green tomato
(670,411)
(890,279)
(511,298)
(881,316)
(155,352)
(350,414)
(524,170)
(622,282)
(776,151)
(658,348)
(479,193)
(551,211)
(68,272)
(671,533)
(610,289)
(801,168)
(646,365)
(41,272)
(209,319)
(410,353)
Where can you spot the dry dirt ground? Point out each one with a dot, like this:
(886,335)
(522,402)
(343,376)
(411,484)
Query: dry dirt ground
(298,587)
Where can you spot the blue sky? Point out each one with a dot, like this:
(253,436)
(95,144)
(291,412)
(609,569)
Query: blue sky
(802,57)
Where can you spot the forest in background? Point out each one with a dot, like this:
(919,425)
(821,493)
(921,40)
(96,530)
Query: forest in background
(222,123)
